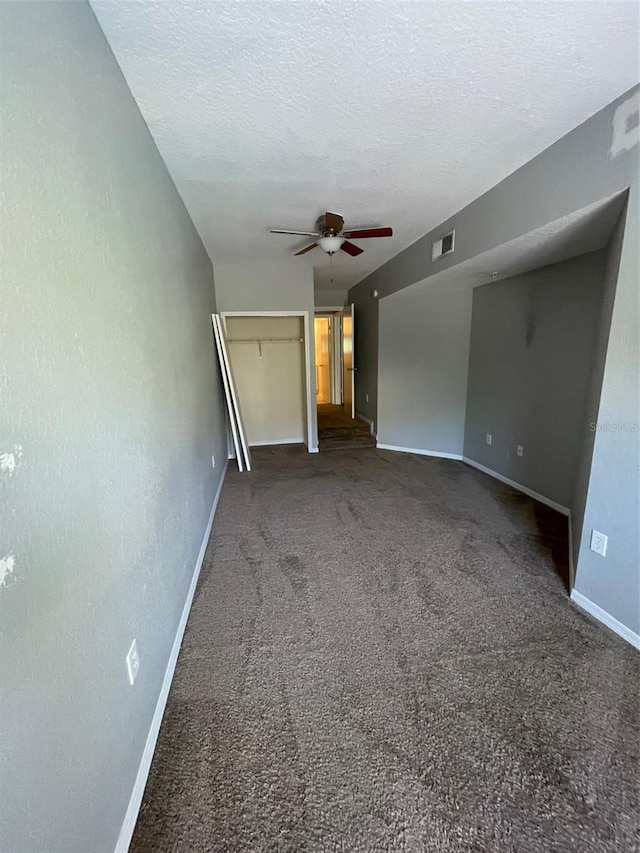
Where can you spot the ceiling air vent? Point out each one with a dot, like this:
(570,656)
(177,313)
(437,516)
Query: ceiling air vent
(444,246)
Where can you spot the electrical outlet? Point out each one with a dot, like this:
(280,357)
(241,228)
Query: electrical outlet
(213,461)
(133,662)
(599,543)
(520,450)
(489,438)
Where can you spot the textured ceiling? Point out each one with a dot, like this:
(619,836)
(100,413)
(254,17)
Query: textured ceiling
(394,113)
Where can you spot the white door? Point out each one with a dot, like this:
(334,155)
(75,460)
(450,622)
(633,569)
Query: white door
(348,366)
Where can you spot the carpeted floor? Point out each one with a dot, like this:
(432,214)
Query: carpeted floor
(381,657)
(337,430)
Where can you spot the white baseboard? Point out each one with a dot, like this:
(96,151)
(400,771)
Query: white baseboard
(271,441)
(131,816)
(606,618)
(527,491)
(419,451)
(368,421)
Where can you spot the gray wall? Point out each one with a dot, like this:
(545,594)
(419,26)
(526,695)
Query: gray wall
(575,172)
(111,409)
(424,360)
(593,162)
(596,371)
(532,338)
(365,347)
(613,499)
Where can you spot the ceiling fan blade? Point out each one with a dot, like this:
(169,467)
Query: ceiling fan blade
(306,249)
(361,233)
(300,233)
(333,222)
(351,249)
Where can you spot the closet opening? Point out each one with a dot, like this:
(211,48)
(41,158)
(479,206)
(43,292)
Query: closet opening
(271,361)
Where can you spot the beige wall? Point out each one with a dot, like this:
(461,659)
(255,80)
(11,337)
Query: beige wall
(267,358)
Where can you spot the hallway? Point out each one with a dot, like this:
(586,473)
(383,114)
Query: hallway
(337,430)
(381,656)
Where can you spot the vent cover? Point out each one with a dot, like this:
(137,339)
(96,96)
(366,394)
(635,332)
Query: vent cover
(444,246)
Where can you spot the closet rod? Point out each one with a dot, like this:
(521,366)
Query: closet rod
(265,340)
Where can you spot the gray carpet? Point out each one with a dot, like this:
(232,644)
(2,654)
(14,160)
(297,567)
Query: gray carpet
(381,657)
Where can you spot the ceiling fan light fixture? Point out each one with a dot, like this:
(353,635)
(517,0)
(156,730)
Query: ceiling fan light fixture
(330,245)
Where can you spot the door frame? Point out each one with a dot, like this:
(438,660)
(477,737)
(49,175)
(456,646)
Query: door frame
(336,359)
(348,312)
(309,386)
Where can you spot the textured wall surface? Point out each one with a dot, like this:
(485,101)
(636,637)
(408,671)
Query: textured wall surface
(437,103)
(424,362)
(591,163)
(530,360)
(110,414)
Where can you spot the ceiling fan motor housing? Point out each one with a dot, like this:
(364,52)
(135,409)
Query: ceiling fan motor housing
(324,231)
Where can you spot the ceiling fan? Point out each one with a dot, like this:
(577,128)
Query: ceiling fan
(331,237)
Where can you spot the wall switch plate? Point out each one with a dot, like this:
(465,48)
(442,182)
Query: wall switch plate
(520,450)
(133,662)
(599,543)
(213,461)
(489,438)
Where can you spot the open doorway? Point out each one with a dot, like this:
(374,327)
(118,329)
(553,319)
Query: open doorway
(333,332)
(338,426)
(324,360)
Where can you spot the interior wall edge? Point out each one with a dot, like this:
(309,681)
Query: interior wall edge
(593,394)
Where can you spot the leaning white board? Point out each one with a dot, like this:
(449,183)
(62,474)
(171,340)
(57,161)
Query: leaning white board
(233,392)
(227,394)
